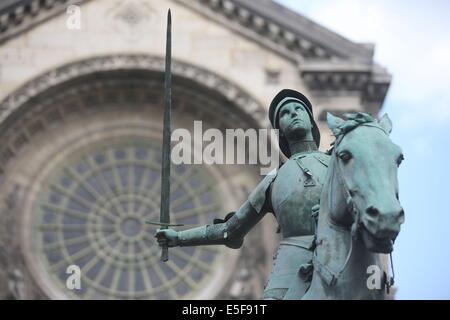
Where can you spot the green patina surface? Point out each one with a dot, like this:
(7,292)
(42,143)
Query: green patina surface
(325,250)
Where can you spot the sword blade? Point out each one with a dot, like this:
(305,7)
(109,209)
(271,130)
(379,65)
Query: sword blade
(165,162)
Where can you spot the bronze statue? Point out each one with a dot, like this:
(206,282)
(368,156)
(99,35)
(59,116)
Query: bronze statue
(326,249)
(289,194)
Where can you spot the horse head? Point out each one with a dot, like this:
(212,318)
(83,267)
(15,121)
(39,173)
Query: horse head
(365,163)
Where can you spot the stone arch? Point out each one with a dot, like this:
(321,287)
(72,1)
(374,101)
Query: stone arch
(21,110)
(33,88)
(10,108)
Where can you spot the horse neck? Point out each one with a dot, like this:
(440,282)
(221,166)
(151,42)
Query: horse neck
(336,197)
(335,244)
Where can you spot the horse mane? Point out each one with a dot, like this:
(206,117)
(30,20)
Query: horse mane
(352,121)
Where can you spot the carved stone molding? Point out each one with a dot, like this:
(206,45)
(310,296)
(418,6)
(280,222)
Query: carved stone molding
(49,98)
(270,24)
(371,81)
(15,280)
(210,80)
(326,60)
(281,29)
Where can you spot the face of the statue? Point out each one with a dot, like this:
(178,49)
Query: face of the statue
(294,122)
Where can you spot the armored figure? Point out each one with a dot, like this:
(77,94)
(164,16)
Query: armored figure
(291,193)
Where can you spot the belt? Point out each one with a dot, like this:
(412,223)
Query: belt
(305,242)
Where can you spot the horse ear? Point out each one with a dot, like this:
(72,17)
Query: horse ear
(334,123)
(386,123)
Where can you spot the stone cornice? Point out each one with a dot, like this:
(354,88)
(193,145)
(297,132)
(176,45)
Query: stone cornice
(371,80)
(306,29)
(289,32)
(257,28)
(327,61)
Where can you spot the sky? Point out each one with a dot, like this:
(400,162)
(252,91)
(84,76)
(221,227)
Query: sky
(412,41)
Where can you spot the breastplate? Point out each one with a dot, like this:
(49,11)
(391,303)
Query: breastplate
(296,190)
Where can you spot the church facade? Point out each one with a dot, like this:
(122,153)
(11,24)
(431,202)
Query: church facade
(80,137)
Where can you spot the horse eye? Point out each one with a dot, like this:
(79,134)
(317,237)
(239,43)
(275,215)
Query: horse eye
(400,159)
(345,156)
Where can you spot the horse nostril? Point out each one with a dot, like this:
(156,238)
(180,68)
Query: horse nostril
(372,211)
(401,216)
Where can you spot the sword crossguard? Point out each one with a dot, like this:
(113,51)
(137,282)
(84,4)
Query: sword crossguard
(162,224)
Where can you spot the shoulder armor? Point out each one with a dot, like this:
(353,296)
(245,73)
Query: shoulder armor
(258,196)
(323,158)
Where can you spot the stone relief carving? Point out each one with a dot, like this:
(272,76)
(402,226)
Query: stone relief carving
(132,19)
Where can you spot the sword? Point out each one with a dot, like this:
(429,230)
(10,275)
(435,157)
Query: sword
(165,162)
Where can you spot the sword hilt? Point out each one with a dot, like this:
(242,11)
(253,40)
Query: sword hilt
(164,253)
(164,248)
